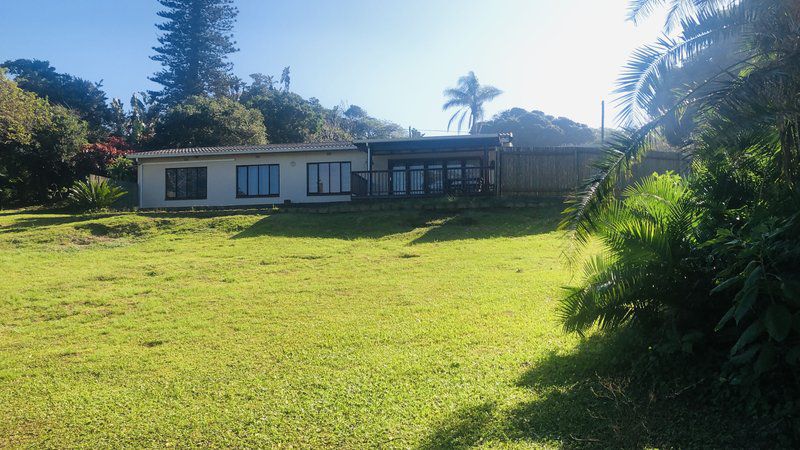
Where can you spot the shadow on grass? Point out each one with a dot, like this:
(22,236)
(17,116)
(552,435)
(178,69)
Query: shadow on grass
(436,225)
(337,225)
(490,224)
(588,399)
(45,219)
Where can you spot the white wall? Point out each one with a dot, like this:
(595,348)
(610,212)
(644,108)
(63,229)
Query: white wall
(221,178)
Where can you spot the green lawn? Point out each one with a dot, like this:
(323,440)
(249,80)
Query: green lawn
(257,329)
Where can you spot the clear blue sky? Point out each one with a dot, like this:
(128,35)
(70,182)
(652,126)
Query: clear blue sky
(392,58)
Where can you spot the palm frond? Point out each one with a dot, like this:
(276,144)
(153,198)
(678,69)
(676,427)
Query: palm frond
(649,65)
(614,164)
(453,117)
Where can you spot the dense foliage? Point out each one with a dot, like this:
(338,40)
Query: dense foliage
(204,121)
(37,143)
(721,267)
(83,97)
(536,128)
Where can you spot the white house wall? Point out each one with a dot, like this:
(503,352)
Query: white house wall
(221,178)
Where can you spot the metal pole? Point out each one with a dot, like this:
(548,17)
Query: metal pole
(603,122)
(369,170)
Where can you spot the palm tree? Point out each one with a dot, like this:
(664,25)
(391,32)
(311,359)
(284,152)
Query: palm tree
(468,98)
(755,85)
(737,224)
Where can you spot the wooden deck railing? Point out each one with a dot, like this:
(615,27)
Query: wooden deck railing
(423,182)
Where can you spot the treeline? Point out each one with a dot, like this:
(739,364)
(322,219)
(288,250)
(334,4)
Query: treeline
(56,128)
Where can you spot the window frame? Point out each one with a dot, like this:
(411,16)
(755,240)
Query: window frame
(258,184)
(341,173)
(186,178)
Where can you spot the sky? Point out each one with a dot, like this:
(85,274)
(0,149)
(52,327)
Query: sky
(393,59)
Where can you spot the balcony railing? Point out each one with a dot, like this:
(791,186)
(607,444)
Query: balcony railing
(460,181)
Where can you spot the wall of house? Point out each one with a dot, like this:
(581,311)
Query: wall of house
(221,178)
(381,162)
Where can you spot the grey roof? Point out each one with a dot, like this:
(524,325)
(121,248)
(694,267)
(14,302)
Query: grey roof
(245,149)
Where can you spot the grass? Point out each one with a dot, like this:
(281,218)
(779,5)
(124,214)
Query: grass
(412,329)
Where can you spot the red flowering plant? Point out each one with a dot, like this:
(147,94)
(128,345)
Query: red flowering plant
(95,158)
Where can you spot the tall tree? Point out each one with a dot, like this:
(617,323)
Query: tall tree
(468,99)
(194,49)
(286,78)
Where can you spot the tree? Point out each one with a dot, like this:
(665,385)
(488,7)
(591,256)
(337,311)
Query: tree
(203,121)
(85,98)
(143,118)
(95,158)
(468,99)
(288,117)
(536,128)
(286,78)
(360,125)
(194,49)
(37,144)
(21,112)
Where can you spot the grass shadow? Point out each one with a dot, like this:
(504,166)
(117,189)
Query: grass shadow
(593,398)
(45,220)
(437,226)
(335,225)
(491,224)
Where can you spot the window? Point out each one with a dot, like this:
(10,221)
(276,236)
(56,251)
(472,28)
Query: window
(186,183)
(328,178)
(263,180)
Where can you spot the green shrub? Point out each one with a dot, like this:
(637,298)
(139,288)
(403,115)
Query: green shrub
(646,271)
(94,194)
(122,169)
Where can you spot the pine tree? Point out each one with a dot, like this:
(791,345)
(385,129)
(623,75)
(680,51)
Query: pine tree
(194,49)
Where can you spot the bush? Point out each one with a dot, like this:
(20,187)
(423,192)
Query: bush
(122,169)
(94,194)
(648,271)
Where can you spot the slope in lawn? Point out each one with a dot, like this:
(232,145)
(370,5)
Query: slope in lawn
(406,329)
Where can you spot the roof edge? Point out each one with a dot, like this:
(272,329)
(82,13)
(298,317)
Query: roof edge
(239,150)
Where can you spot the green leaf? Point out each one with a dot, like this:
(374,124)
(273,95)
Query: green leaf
(746,355)
(766,359)
(748,295)
(749,335)
(778,321)
(728,315)
(726,284)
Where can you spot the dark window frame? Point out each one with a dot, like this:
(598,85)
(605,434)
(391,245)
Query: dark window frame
(197,184)
(258,172)
(341,177)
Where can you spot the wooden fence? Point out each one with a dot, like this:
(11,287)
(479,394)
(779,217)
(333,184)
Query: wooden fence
(558,171)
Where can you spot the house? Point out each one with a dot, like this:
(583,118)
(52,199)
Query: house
(318,172)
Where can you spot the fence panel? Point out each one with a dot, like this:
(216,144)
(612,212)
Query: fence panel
(558,171)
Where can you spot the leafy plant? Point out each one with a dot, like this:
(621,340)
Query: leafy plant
(646,272)
(739,118)
(94,194)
